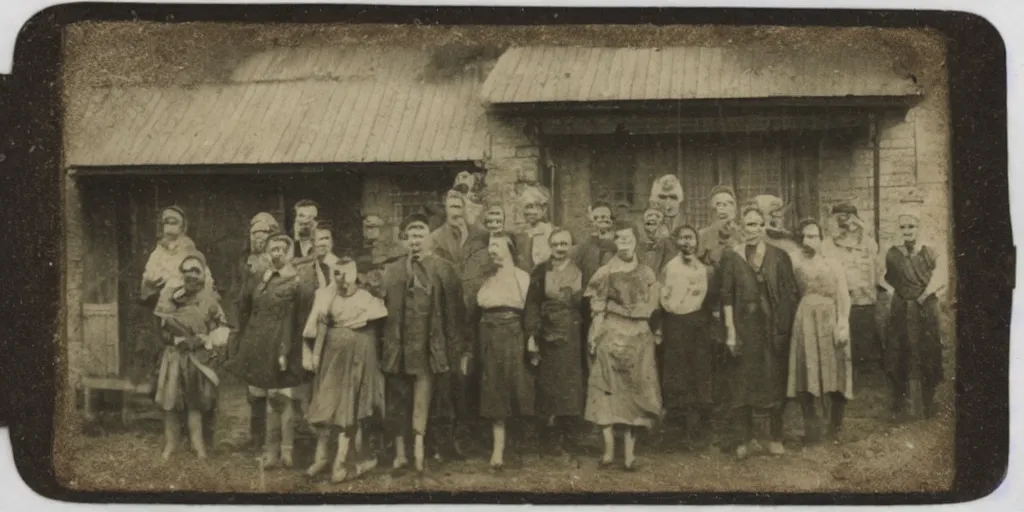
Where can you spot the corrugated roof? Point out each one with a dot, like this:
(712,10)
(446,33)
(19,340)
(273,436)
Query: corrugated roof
(287,106)
(570,74)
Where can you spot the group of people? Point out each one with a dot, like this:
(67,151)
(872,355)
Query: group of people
(632,326)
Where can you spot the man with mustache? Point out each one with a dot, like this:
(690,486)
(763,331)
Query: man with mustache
(423,340)
(857,252)
(689,298)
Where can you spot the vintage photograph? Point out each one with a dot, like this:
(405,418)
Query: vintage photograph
(371,259)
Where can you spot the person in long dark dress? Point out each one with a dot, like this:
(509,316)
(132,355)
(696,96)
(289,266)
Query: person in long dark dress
(820,366)
(348,387)
(759,296)
(689,297)
(423,340)
(623,389)
(554,326)
(253,263)
(194,329)
(270,350)
(913,356)
(506,385)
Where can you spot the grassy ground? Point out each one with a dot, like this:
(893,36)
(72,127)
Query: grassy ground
(874,455)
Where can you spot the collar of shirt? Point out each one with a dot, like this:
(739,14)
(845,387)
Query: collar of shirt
(285,271)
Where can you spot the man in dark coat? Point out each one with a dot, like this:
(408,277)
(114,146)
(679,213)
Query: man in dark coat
(759,296)
(423,341)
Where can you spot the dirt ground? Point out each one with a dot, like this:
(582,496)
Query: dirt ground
(874,455)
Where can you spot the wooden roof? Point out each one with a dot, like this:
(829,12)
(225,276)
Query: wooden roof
(286,106)
(572,74)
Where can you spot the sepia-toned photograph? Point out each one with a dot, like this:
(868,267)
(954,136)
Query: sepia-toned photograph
(371,259)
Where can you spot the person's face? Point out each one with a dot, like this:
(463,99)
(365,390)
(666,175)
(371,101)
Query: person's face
(454,210)
(724,205)
(625,242)
(653,221)
(258,238)
(686,241)
(602,218)
(345,275)
(812,236)
(494,221)
(669,200)
(371,230)
(323,243)
(753,226)
(278,251)
(416,236)
(534,211)
(172,224)
(561,244)
(908,228)
(192,272)
(305,216)
(498,250)
(843,220)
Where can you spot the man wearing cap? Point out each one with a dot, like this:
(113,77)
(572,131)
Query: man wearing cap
(423,339)
(724,231)
(857,252)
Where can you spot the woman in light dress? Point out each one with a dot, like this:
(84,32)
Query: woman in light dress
(820,363)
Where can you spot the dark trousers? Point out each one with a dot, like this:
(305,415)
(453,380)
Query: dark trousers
(835,404)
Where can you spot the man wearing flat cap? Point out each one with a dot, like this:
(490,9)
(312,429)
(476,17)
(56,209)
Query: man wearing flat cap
(857,253)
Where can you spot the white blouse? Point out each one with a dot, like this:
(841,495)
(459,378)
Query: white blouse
(506,289)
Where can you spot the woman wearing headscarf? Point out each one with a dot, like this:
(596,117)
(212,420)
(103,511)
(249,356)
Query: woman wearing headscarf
(506,386)
(820,366)
(193,327)
(913,354)
(623,386)
(162,267)
(348,387)
(270,350)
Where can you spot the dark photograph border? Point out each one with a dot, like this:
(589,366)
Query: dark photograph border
(31,184)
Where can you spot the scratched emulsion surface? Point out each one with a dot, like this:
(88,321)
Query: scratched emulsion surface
(197,72)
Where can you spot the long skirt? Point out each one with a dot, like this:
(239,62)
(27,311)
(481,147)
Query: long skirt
(348,387)
(185,383)
(816,366)
(623,385)
(688,359)
(506,385)
(758,375)
(560,390)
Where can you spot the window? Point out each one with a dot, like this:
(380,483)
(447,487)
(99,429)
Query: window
(613,176)
(418,193)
